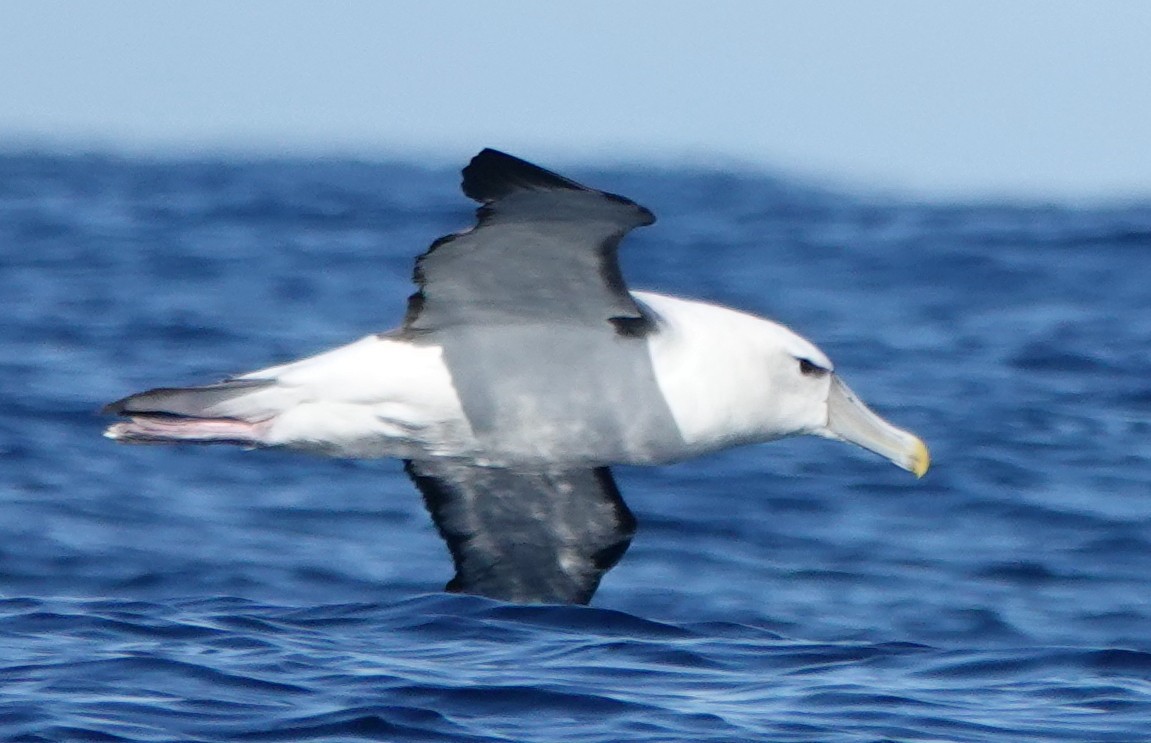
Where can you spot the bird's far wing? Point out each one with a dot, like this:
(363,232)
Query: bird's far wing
(545,536)
(543,250)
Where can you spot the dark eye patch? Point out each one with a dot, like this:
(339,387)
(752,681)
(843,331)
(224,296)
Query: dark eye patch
(810,369)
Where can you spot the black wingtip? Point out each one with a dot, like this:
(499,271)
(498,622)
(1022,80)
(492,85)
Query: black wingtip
(492,174)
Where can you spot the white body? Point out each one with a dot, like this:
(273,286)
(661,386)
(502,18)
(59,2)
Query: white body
(728,378)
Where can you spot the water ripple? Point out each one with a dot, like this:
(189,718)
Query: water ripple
(801,591)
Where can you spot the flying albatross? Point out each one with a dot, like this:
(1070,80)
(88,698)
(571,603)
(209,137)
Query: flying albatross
(524,367)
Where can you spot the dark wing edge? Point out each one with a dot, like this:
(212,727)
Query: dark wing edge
(491,175)
(545,536)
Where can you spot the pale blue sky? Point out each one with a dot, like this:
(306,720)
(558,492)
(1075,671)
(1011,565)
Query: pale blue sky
(980,97)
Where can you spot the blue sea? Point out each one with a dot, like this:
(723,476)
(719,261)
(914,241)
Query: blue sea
(796,591)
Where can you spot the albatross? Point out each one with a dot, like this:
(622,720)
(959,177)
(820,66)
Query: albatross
(523,369)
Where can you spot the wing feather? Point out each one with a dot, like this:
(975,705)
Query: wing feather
(544,249)
(545,536)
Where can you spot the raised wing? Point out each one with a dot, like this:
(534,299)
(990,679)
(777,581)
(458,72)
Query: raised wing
(546,536)
(543,250)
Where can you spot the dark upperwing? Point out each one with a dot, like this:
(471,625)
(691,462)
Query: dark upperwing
(543,250)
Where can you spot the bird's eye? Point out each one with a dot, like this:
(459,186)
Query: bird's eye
(809,369)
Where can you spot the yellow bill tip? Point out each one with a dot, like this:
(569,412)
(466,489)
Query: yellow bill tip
(920,460)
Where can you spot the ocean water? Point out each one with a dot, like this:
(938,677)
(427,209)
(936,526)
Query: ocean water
(795,591)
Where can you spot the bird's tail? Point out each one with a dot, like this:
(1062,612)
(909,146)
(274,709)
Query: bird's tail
(231,412)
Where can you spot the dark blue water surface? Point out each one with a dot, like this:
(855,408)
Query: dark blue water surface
(797,591)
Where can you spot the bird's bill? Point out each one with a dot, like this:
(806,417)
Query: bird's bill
(852,421)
